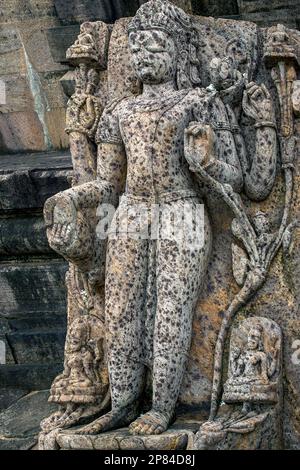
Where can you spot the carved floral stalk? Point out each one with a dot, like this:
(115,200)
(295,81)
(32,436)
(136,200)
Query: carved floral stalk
(259,265)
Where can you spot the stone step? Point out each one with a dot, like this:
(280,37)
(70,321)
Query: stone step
(37,348)
(31,288)
(20,422)
(40,323)
(28,180)
(29,376)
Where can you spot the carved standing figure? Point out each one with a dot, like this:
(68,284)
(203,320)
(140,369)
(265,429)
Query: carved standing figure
(150,150)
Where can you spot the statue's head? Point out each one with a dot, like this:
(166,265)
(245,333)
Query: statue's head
(255,338)
(162,43)
(78,335)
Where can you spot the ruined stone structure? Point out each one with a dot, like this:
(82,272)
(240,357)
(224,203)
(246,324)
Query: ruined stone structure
(207,117)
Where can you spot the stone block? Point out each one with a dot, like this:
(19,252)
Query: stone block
(37,347)
(14,10)
(19,420)
(24,235)
(32,288)
(79,11)
(26,182)
(8,396)
(60,39)
(29,376)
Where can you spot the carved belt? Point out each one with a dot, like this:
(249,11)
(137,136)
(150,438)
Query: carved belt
(224,126)
(162,198)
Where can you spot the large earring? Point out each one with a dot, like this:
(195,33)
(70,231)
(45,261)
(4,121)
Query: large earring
(133,84)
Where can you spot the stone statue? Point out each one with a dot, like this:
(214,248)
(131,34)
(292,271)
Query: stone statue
(172,143)
(254,365)
(254,379)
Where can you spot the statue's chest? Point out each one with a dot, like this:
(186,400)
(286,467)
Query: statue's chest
(154,124)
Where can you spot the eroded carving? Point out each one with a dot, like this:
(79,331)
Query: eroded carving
(254,381)
(254,363)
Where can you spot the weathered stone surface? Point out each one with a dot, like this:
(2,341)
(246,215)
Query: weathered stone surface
(265,435)
(30,377)
(32,323)
(33,116)
(17,444)
(23,187)
(60,39)
(40,348)
(32,288)
(19,425)
(8,396)
(176,438)
(215,7)
(23,235)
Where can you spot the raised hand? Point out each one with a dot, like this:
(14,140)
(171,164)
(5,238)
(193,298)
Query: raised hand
(257,103)
(198,145)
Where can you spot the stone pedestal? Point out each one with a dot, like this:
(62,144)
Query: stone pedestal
(178,437)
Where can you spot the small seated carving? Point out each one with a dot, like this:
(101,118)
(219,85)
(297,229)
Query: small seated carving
(85,43)
(254,363)
(80,372)
(250,365)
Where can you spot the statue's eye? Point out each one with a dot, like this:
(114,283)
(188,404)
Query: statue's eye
(155,49)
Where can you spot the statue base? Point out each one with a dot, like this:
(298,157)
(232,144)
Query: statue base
(178,437)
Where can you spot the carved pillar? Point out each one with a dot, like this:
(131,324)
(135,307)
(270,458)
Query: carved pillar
(82,389)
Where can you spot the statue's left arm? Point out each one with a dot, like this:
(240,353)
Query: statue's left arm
(202,148)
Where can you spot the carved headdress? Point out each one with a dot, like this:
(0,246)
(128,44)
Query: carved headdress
(163,15)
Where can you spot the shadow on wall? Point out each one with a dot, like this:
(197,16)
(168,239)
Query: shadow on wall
(215,7)
(109,11)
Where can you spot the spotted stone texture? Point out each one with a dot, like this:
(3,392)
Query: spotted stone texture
(176,438)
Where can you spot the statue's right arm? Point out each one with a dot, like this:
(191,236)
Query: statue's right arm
(110,182)
(70,216)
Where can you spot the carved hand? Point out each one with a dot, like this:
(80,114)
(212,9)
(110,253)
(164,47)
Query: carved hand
(60,217)
(198,145)
(257,103)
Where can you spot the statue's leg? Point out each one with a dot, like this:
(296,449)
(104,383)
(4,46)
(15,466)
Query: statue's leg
(126,280)
(181,267)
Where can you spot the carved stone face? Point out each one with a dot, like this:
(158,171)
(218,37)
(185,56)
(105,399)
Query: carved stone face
(254,339)
(76,339)
(153,56)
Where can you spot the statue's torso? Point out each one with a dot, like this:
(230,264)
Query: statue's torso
(153,135)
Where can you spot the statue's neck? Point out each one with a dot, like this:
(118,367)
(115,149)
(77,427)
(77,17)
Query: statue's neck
(155,91)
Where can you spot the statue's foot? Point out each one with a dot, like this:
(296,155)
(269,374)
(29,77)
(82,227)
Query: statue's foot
(153,422)
(112,420)
(51,422)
